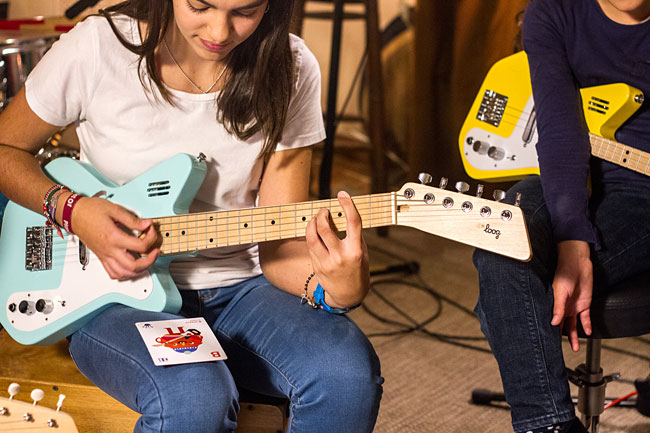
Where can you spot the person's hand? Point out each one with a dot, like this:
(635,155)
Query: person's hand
(107,229)
(340,265)
(573,288)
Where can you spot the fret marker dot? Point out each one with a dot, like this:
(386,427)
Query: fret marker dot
(211,240)
(183,232)
(304,218)
(272,222)
(211,218)
(167,234)
(245,225)
(340,214)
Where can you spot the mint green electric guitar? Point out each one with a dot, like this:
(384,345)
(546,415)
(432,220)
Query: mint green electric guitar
(50,287)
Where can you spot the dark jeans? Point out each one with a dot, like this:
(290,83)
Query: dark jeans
(515,304)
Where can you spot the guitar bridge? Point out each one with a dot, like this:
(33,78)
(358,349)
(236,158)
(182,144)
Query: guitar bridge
(38,248)
(492,107)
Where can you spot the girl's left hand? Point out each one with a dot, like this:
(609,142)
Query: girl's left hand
(340,265)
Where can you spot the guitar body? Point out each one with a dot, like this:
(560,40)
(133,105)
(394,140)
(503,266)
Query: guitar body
(70,293)
(497,140)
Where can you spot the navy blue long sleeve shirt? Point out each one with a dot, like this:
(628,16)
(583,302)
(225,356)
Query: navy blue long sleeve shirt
(572,44)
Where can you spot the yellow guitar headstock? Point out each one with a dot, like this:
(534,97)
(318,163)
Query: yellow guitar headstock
(487,224)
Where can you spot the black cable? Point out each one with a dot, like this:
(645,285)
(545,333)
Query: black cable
(642,340)
(419,326)
(415,325)
(626,352)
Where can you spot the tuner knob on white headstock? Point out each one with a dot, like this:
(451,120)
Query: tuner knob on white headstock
(518,199)
(479,190)
(425,178)
(14,389)
(60,402)
(462,187)
(37,395)
(443,182)
(499,195)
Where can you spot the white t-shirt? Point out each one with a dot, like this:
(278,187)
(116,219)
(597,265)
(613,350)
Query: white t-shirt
(90,79)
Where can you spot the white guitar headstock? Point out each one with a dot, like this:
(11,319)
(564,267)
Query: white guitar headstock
(22,416)
(472,220)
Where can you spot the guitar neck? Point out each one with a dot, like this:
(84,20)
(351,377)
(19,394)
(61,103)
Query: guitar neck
(200,231)
(620,154)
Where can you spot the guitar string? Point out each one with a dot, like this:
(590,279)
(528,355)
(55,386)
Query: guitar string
(410,217)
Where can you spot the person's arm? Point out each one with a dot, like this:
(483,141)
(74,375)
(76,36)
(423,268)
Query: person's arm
(563,147)
(563,153)
(340,265)
(96,221)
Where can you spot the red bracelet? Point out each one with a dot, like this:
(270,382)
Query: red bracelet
(67,211)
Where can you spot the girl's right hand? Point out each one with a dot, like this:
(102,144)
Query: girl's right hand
(108,230)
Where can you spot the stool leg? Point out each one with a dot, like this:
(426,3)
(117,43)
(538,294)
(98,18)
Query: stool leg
(592,366)
(591,382)
(298,17)
(376,109)
(325,174)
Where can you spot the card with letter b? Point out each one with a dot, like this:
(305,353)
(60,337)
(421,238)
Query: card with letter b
(180,341)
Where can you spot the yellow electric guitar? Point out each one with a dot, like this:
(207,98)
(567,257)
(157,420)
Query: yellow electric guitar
(497,140)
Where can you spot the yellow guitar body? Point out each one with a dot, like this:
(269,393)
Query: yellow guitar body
(497,140)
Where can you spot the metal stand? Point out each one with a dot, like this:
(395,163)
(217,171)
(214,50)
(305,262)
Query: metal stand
(376,116)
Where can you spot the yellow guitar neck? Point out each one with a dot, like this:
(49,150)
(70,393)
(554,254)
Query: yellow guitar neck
(620,154)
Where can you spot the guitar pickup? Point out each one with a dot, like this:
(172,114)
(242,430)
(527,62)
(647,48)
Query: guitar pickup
(38,248)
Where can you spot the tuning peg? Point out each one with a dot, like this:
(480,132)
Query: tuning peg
(60,402)
(462,187)
(518,199)
(37,395)
(14,389)
(479,190)
(443,182)
(425,178)
(498,195)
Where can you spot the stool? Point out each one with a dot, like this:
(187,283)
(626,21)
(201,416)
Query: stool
(261,413)
(623,312)
(375,126)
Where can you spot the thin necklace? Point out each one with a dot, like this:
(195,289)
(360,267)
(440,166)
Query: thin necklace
(187,77)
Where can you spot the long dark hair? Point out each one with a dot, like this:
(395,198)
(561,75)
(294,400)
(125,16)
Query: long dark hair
(256,96)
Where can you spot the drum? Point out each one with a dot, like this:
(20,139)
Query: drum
(20,50)
(55,148)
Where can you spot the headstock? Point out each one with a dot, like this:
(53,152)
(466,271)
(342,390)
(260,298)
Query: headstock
(472,220)
(29,417)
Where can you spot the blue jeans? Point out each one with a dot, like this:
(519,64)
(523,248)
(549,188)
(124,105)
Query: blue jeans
(275,346)
(515,304)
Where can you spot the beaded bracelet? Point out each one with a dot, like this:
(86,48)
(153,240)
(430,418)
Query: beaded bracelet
(53,204)
(47,202)
(305,298)
(49,206)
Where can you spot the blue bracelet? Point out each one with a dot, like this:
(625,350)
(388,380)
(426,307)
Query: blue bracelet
(319,299)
